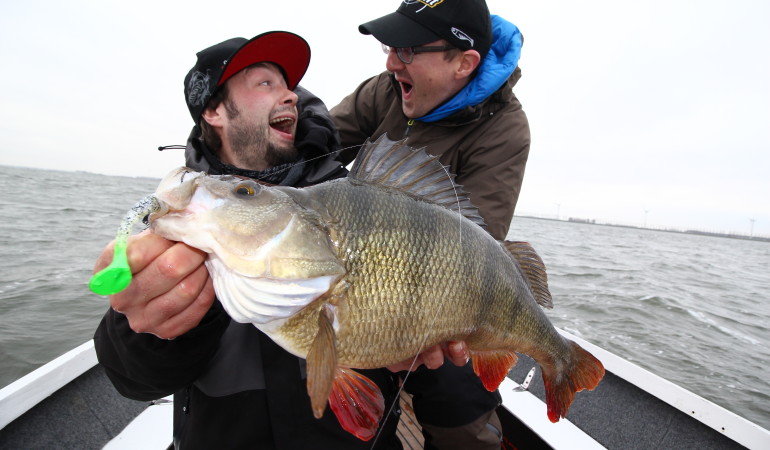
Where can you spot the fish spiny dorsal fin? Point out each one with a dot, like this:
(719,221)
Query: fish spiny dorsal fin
(395,165)
(533,269)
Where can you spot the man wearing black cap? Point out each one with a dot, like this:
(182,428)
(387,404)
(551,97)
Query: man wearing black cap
(448,86)
(233,387)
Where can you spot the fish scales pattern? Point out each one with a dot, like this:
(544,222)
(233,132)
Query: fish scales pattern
(397,265)
(416,275)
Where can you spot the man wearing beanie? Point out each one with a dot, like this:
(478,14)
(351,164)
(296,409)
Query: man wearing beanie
(451,68)
(166,333)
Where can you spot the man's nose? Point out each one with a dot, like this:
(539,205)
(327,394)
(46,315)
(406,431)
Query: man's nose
(290,98)
(393,63)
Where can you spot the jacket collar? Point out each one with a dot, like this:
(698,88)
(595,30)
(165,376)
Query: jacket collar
(299,173)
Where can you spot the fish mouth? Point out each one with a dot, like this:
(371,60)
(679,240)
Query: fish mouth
(175,190)
(161,209)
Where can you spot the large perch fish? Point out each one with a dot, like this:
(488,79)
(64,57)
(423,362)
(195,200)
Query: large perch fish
(369,270)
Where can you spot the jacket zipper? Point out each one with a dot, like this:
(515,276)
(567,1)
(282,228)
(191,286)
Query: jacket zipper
(409,125)
(186,405)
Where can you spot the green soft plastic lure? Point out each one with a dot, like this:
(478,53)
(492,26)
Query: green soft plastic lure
(117,276)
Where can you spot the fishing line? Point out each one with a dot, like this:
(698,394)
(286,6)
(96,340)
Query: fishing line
(396,400)
(435,316)
(310,160)
(291,166)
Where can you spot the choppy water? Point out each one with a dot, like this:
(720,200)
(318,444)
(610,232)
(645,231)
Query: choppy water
(692,309)
(53,225)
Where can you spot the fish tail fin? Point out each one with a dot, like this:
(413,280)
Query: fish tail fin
(357,402)
(492,366)
(582,371)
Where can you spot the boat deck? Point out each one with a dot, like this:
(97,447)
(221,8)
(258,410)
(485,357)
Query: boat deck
(57,406)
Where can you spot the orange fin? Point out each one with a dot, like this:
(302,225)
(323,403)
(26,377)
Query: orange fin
(533,269)
(322,362)
(493,366)
(357,402)
(582,371)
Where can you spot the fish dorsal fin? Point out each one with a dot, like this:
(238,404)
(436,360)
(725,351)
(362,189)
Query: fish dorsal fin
(395,165)
(533,268)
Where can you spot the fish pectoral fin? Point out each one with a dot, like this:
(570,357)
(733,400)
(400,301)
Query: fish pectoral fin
(581,371)
(533,269)
(357,402)
(493,366)
(322,361)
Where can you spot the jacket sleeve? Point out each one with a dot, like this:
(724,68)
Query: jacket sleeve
(357,116)
(144,367)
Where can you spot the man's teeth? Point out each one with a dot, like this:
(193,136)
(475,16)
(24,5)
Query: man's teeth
(283,124)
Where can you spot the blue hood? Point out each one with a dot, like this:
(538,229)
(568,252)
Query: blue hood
(495,69)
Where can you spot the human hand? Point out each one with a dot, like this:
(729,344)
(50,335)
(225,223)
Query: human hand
(433,358)
(171,290)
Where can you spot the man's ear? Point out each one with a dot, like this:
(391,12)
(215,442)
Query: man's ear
(470,59)
(214,115)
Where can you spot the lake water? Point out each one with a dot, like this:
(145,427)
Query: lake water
(692,309)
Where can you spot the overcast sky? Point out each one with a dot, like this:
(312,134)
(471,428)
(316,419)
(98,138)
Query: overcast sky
(653,112)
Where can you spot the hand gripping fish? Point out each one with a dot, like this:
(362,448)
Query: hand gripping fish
(369,270)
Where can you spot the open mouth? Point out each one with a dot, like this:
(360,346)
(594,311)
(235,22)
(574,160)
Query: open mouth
(283,124)
(406,88)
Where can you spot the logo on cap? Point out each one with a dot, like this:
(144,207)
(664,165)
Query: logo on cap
(199,89)
(429,3)
(459,34)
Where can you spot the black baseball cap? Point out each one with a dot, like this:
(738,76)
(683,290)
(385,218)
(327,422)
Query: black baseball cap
(465,24)
(219,62)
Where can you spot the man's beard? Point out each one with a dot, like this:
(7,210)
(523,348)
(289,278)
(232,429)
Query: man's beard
(251,142)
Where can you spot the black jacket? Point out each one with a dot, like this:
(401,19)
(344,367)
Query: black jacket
(233,387)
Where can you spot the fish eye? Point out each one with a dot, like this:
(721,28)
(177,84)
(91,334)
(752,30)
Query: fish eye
(246,189)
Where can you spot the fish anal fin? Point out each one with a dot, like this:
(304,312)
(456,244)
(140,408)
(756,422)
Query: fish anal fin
(492,366)
(357,402)
(583,371)
(533,269)
(322,361)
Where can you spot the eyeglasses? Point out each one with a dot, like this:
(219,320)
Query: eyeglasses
(406,54)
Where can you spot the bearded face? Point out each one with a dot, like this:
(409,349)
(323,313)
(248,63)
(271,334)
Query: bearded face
(255,119)
(250,138)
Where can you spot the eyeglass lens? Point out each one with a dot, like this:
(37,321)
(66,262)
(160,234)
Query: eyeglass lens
(405,54)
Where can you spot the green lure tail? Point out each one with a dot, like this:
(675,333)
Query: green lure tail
(117,276)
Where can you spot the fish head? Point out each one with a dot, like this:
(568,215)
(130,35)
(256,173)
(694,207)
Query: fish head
(253,229)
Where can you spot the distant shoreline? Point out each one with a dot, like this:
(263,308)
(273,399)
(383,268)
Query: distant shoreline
(744,237)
